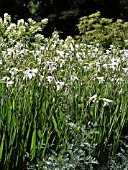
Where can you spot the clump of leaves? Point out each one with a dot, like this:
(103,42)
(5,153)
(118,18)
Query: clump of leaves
(120,161)
(94,29)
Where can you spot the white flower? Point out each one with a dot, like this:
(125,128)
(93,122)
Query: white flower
(93,98)
(9,83)
(73,77)
(10,51)
(21,30)
(13,71)
(69,40)
(59,85)
(55,35)
(108,51)
(20,22)
(44,21)
(31,21)
(119,80)
(11,27)
(7,18)
(106,101)
(112,46)
(86,68)
(60,53)
(115,63)
(62,63)
(39,36)
(18,46)
(76,46)
(5,78)
(100,79)
(121,90)
(30,73)
(97,64)
(50,78)
(106,66)
(80,60)
(126,53)
(51,66)
(6,15)
(96,49)
(78,55)
(125,70)
(35,70)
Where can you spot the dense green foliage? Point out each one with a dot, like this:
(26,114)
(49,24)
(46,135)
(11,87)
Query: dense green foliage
(63,104)
(94,29)
(63,15)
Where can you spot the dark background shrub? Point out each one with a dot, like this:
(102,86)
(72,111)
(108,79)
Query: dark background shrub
(63,15)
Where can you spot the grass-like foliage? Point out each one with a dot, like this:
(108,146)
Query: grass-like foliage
(95,29)
(64,105)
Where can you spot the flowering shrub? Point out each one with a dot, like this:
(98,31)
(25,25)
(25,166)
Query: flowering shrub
(63,104)
(94,29)
(23,32)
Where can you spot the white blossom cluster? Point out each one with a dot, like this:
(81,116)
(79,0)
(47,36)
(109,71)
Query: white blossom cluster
(61,63)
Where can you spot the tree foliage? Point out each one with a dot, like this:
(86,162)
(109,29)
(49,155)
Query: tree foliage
(95,29)
(63,15)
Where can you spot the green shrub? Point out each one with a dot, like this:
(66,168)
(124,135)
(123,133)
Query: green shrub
(94,29)
(63,104)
